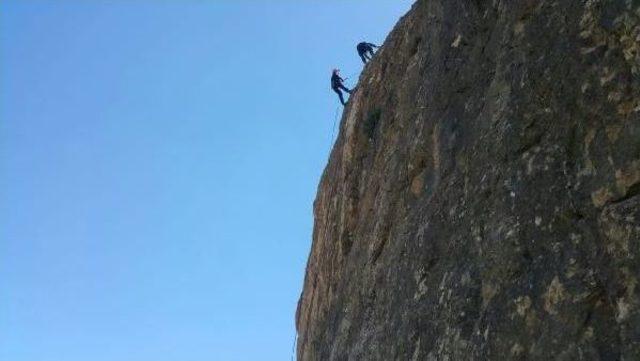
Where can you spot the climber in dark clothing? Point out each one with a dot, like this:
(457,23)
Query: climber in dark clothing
(336,85)
(365,50)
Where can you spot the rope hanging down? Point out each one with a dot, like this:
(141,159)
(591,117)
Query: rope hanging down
(333,130)
(293,348)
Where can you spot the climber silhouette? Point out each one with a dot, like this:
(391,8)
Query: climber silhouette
(336,85)
(365,50)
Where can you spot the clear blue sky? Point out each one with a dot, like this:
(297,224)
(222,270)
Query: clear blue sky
(158,165)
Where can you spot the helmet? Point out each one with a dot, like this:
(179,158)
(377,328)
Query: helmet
(336,70)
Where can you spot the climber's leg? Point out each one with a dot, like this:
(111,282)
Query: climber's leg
(339,95)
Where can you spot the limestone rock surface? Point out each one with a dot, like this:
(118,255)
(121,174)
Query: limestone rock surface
(482,200)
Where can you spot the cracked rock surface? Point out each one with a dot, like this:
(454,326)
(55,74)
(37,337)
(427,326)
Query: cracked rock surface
(482,201)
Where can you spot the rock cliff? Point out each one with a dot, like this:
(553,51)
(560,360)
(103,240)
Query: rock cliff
(482,201)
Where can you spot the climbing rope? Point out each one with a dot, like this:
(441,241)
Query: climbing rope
(353,76)
(337,113)
(293,347)
(333,130)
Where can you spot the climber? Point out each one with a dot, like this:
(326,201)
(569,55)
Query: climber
(336,85)
(365,50)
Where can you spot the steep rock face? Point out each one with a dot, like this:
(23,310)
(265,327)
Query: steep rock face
(482,201)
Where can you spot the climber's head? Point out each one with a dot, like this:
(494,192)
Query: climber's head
(336,71)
